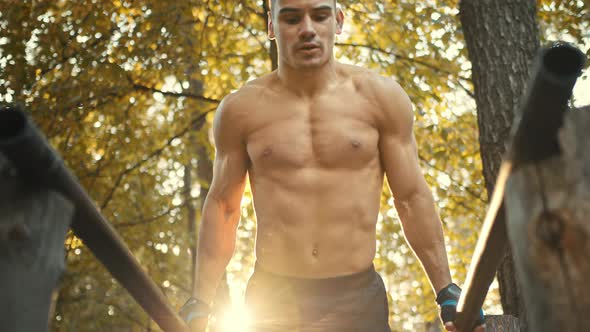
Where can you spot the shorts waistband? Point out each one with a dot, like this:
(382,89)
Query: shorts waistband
(350,281)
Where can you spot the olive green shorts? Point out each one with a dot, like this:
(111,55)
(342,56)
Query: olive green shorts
(351,303)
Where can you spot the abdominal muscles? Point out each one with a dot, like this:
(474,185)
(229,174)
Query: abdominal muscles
(316,223)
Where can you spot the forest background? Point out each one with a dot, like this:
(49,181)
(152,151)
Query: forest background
(126,91)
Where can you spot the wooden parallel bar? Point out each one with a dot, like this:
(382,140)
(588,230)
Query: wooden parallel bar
(39,165)
(488,254)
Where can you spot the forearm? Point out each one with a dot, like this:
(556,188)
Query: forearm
(216,245)
(423,231)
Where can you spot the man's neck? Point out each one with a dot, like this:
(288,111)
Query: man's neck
(307,82)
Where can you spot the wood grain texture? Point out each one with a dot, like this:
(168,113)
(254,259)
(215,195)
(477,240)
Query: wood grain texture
(548,209)
(33,226)
(502,323)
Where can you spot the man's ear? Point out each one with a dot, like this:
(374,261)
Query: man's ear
(271,29)
(339,20)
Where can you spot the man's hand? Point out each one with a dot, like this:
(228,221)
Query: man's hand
(447,299)
(196,314)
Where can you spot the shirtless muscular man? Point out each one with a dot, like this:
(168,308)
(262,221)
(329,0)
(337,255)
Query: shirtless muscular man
(316,138)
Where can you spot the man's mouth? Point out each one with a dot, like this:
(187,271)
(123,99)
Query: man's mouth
(308,46)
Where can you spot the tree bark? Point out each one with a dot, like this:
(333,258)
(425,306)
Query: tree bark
(196,87)
(502,39)
(502,323)
(547,211)
(33,226)
(191,216)
(494,323)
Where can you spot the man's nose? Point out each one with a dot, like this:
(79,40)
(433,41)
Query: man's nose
(307,30)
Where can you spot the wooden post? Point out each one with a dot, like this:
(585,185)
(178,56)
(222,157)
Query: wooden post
(33,226)
(534,140)
(38,163)
(548,220)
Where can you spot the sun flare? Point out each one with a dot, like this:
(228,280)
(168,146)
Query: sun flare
(235,319)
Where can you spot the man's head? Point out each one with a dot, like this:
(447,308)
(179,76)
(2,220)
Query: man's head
(304,30)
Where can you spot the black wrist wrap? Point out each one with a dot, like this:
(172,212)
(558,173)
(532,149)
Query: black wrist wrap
(194,309)
(447,299)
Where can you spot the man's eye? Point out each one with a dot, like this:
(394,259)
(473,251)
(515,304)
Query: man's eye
(292,20)
(320,18)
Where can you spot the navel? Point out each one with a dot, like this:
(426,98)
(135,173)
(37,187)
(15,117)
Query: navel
(355,144)
(315,252)
(267,152)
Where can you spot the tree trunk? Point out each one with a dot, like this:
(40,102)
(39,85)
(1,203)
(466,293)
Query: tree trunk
(494,323)
(192,211)
(502,39)
(191,216)
(547,207)
(33,226)
(502,323)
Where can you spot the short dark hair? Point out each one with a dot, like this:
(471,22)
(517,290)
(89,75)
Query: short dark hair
(271,4)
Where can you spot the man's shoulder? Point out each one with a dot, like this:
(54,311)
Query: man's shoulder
(237,109)
(377,88)
(246,96)
(384,92)
(359,75)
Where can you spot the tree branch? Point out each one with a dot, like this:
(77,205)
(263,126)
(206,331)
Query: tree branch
(140,87)
(403,57)
(199,121)
(454,181)
(143,220)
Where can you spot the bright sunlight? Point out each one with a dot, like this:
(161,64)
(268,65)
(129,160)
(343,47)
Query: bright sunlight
(235,319)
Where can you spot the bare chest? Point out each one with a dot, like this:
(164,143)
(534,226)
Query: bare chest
(330,133)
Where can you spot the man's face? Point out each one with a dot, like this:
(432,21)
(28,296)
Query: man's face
(305,31)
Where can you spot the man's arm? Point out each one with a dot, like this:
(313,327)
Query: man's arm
(221,211)
(412,196)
